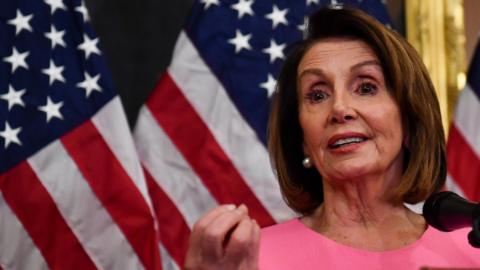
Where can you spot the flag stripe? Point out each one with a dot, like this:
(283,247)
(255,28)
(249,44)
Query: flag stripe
(200,149)
(230,130)
(466,118)
(171,171)
(84,214)
(118,137)
(167,262)
(463,164)
(20,187)
(17,250)
(175,235)
(109,181)
(451,185)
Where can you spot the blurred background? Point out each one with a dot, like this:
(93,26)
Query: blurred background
(138,37)
(80,180)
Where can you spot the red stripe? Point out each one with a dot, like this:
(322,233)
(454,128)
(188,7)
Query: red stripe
(463,164)
(36,210)
(115,190)
(174,231)
(193,139)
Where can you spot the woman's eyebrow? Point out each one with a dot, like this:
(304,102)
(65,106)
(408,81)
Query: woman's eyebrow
(366,63)
(311,71)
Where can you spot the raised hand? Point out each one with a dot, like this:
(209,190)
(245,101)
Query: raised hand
(225,238)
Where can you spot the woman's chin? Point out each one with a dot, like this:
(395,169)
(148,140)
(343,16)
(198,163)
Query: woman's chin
(349,173)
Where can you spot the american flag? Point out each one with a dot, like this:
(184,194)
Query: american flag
(72,191)
(201,135)
(463,147)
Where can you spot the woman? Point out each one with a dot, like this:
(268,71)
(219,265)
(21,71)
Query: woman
(356,104)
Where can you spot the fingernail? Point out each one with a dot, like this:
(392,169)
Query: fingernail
(242,207)
(230,207)
(256,223)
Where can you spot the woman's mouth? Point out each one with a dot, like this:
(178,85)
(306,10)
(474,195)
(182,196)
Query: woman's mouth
(339,141)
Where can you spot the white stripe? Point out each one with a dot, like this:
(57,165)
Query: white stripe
(417,208)
(466,120)
(451,185)
(168,263)
(229,128)
(90,222)
(170,170)
(17,250)
(111,123)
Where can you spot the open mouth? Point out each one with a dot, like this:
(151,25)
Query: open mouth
(346,141)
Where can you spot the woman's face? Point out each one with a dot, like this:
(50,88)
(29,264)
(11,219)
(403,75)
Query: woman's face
(352,126)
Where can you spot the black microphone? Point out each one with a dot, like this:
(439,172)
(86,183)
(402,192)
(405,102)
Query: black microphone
(447,211)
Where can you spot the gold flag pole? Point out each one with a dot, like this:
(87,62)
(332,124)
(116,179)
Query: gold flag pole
(436,29)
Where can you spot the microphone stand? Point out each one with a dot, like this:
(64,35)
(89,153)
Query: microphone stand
(474,235)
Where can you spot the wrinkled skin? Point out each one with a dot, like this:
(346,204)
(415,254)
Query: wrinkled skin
(224,238)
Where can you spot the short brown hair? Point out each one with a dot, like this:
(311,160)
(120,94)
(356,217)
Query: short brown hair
(409,84)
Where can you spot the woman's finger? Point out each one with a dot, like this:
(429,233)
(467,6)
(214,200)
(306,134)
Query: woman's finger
(243,246)
(252,260)
(194,256)
(200,226)
(215,234)
(211,215)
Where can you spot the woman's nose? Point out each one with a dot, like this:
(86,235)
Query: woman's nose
(342,110)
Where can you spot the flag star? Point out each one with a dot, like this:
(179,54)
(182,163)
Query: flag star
(209,2)
(275,50)
(21,22)
(241,41)
(83,10)
(52,109)
(13,97)
(56,37)
(55,4)
(54,73)
(312,2)
(17,59)
(89,46)
(303,27)
(277,16)
(90,84)
(269,85)
(243,7)
(10,135)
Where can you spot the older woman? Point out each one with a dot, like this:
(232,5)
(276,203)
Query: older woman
(355,132)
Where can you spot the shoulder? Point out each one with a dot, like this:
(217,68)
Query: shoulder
(285,245)
(290,226)
(278,233)
(289,232)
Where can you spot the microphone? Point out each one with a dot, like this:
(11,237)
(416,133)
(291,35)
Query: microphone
(447,211)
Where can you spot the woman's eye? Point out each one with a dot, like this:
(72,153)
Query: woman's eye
(316,96)
(367,89)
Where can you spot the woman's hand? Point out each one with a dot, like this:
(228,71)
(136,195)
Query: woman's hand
(225,238)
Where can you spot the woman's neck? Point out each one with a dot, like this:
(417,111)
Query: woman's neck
(356,214)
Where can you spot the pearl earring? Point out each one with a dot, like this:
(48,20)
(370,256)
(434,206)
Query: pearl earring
(307,162)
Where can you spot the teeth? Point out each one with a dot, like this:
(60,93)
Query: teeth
(347,141)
